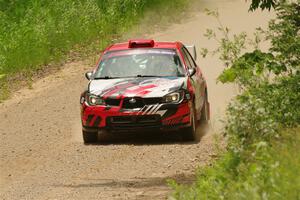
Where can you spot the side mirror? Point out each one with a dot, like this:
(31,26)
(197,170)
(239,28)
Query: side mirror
(88,75)
(192,72)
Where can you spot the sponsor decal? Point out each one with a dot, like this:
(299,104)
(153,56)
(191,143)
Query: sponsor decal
(151,110)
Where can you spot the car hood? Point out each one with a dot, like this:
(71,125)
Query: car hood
(137,87)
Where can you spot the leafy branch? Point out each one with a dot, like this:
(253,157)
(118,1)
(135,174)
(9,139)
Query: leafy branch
(253,68)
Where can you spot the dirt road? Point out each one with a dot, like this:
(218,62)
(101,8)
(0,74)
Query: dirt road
(42,153)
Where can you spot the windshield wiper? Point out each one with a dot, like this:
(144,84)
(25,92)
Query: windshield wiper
(106,77)
(148,76)
(158,76)
(139,76)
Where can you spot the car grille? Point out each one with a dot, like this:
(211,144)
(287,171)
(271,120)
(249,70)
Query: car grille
(134,121)
(112,102)
(149,101)
(139,102)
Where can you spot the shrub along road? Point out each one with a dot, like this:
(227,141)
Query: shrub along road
(42,154)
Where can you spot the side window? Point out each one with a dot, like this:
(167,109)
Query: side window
(191,60)
(187,60)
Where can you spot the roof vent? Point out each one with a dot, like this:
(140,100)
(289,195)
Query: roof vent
(141,43)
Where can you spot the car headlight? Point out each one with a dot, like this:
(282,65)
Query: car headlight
(174,97)
(95,100)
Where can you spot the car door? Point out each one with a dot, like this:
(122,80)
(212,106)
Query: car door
(197,80)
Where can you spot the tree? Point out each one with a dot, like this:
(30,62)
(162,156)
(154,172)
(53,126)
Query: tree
(263,4)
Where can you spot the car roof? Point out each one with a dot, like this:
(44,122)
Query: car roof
(151,43)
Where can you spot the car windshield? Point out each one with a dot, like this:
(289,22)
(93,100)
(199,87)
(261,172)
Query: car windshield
(139,63)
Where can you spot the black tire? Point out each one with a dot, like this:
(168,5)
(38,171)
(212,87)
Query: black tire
(205,111)
(89,137)
(189,133)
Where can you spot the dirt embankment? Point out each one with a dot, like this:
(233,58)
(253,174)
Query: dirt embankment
(42,154)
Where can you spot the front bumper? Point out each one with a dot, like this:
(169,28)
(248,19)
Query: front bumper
(114,118)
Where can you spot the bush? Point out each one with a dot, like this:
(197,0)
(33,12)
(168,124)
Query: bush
(262,159)
(270,172)
(259,112)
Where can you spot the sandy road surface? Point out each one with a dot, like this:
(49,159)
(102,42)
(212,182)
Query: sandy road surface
(42,154)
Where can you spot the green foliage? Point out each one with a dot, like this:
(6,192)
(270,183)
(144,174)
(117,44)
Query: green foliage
(34,33)
(284,33)
(229,47)
(265,171)
(263,4)
(259,112)
(284,55)
(252,68)
(262,159)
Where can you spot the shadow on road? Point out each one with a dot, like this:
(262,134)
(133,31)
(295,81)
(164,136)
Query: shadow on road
(131,183)
(150,137)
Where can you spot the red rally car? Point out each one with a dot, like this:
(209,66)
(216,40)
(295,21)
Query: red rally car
(143,84)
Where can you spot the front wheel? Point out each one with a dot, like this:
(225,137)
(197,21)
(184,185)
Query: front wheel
(89,137)
(189,133)
(205,111)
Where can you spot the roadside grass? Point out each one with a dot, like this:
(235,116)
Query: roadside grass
(35,35)
(268,171)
